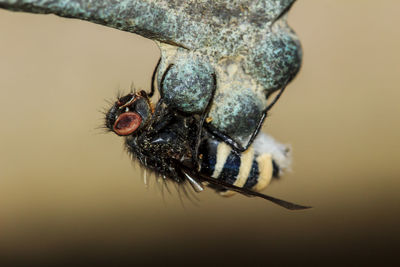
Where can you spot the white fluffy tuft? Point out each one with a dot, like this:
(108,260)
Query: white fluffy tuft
(280,153)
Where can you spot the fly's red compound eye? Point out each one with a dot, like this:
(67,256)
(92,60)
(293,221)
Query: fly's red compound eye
(127,123)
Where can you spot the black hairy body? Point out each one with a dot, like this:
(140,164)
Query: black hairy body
(166,144)
(176,146)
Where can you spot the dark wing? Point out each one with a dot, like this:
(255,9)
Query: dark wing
(243,191)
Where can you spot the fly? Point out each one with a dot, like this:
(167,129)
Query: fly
(174,145)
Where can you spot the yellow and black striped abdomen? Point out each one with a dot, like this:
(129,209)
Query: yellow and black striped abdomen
(247,169)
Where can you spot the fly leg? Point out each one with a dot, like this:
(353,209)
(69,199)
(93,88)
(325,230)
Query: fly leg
(200,125)
(153,78)
(234,144)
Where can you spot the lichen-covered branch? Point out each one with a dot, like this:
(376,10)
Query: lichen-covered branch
(245,44)
(188,23)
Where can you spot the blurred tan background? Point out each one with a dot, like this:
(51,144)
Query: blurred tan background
(69,194)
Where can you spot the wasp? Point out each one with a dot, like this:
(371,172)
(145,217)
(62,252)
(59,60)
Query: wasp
(175,145)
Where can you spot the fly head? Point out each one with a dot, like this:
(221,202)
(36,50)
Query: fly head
(129,114)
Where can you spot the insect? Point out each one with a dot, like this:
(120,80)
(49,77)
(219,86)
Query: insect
(190,86)
(173,145)
(246,46)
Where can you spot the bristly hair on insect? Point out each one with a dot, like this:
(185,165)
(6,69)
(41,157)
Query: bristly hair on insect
(175,147)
